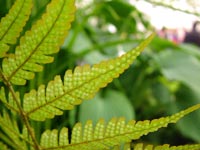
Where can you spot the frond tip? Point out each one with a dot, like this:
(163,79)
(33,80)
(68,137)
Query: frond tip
(82,84)
(104,136)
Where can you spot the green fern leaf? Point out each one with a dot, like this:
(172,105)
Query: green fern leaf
(107,136)
(36,45)
(125,146)
(80,85)
(11,129)
(141,146)
(9,102)
(26,136)
(11,25)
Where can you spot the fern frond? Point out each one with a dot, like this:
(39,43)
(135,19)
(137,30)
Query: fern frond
(11,129)
(10,102)
(11,25)
(44,39)
(82,84)
(104,136)
(141,146)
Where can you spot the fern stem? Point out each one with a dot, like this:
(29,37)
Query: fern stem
(21,111)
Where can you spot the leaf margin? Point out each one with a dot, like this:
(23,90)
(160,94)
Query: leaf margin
(78,85)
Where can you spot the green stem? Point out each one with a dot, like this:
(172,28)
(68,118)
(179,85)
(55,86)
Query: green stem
(171,7)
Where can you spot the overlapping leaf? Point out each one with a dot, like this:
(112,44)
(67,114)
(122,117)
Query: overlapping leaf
(104,136)
(11,25)
(42,40)
(82,84)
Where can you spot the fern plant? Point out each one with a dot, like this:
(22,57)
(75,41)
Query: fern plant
(34,49)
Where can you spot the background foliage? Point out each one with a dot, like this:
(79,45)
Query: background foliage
(162,81)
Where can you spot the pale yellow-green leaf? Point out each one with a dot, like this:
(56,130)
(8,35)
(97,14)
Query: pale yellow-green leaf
(12,24)
(9,102)
(81,84)
(11,130)
(141,146)
(115,132)
(44,39)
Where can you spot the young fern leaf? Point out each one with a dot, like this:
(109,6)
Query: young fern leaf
(12,24)
(11,129)
(140,146)
(108,136)
(80,85)
(42,40)
(9,102)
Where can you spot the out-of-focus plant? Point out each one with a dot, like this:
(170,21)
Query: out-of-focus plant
(192,5)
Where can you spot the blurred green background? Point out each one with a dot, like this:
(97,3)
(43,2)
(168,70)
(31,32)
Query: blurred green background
(163,80)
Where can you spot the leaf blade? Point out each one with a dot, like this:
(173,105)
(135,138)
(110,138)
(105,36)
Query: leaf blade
(43,39)
(141,146)
(115,132)
(12,24)
(12,131)
(82,84)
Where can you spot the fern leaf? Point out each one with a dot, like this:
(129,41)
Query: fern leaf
(10,103)
(11,25)
(36,45)
(82,84)
(104,136)
(141,146)
(11,129)
(26,136)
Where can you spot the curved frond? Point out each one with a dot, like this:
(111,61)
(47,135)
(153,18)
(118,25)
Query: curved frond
(80,85)
(11,25)
(104,136)
(141,146)
(44,39)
